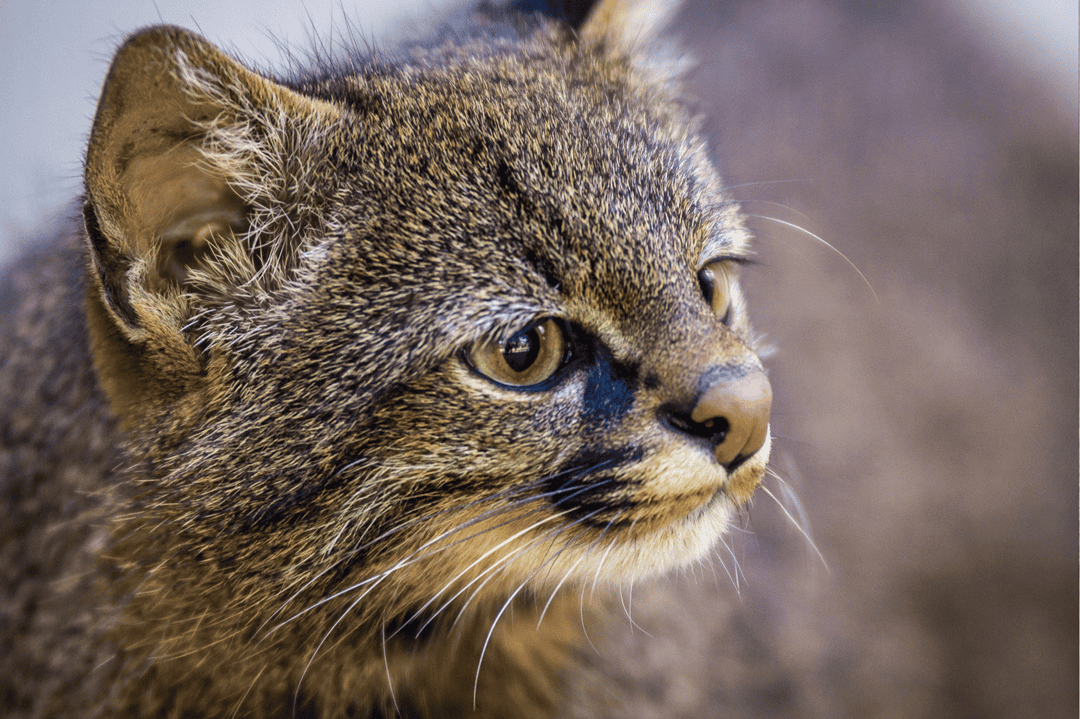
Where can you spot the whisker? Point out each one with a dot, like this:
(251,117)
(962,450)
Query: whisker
(599,567)
(509,603)
(315,653)
(538,540)
(581,605)
(794,522)
(296,594)
(727,571)
(254,681)
(712,568)
(352,587)
(738,567)
(585,488)
(581,612)
(759,183)
(478,560)
(558,586)
(417,554)
(447,510)
(824,242)
(553,532)
(364,587)
(386,663)
(628,607)
(521,489)
(788,439)
(483,650)
(775,204)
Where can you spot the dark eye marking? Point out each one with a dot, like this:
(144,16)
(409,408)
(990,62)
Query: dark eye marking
(610,387)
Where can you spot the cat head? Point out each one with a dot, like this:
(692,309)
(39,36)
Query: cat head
(467,315)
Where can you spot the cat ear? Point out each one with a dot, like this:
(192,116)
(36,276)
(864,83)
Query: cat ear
(628,22)
(188,149)
(630,28)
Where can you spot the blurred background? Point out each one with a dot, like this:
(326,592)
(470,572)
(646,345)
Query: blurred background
(926,402)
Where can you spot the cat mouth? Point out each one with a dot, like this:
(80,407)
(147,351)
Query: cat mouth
(741,485)
(719,496)
(734,492)
(744,476)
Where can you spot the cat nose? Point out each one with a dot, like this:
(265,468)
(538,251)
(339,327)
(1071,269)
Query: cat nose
(736,411)
(733,414)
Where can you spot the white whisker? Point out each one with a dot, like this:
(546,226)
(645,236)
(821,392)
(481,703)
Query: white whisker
(483,650)
(415,556)
(628,609)
(581,611)
(566,575)
(600,566)
(386,664)
(824,242)
(726,570)
(738,567)
(478,560)
(352,587)
(315,653)
(505,559)
(775,204)
(581,605)
(794,521)
(712,568)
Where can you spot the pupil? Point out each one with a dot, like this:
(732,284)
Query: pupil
(705,281)
(521,350)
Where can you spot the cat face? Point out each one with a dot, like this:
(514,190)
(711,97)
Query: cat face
(580,309)
(466,323)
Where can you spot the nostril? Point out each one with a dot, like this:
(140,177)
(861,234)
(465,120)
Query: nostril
(713,429)
(732,414)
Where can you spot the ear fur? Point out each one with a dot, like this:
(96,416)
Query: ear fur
(184,155)
(628,22)
(632,29)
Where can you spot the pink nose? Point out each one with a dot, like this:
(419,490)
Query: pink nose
(734,415)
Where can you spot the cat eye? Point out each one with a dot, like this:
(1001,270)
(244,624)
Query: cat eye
(528,357)
(715,281)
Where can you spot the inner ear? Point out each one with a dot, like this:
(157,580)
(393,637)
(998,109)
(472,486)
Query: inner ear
(186,209)
(179,126)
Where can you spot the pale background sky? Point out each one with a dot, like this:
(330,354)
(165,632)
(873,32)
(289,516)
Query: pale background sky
(53,57)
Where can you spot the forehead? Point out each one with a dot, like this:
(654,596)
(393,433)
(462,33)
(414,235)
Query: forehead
(561,166)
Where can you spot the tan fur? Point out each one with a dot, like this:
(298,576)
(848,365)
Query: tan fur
(317,505)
